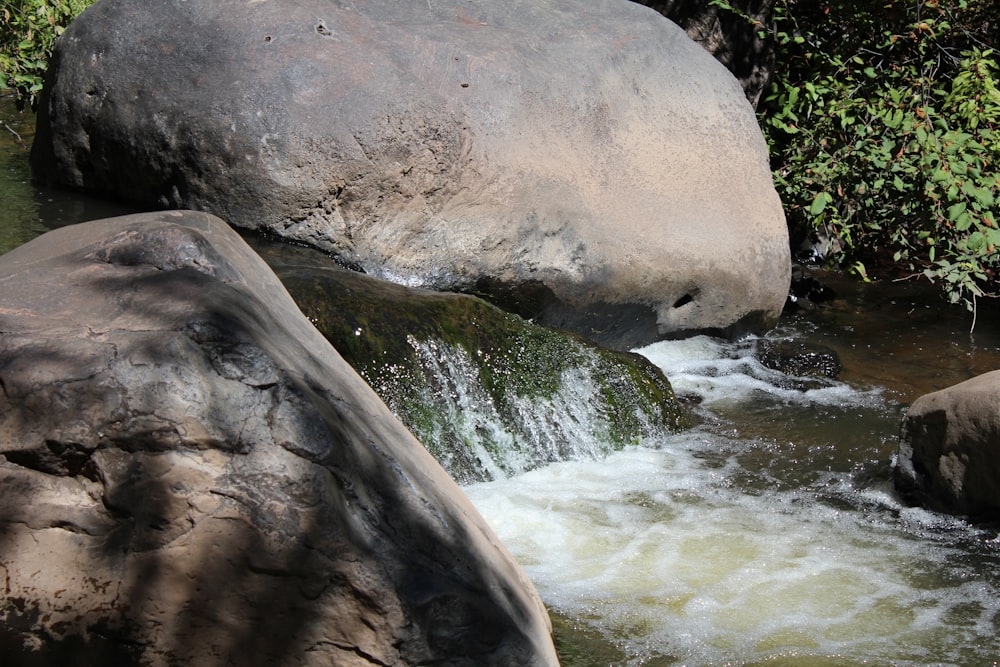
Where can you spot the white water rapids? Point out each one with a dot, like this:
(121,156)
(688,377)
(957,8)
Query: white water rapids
(709,548)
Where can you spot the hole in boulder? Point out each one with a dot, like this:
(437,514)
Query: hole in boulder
(683,301)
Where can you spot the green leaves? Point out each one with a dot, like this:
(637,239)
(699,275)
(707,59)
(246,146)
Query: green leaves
(28,29)
(819,203)
(884,128)
(957,212)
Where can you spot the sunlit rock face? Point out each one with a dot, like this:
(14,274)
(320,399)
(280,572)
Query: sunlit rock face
(190,474)
(586,153)
(949,453)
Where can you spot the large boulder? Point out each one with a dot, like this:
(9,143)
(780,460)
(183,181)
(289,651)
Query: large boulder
(949,451)
(191,475)
(585,153)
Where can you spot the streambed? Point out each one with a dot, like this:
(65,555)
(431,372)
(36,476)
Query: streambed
(767,535)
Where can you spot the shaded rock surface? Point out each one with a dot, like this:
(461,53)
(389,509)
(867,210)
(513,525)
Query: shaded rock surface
(585,151)
(190,474)
(734,40)
(490,394)
(806,291)
(949,452)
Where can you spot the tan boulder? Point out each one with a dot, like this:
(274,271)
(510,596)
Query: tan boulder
(949,451)
(191,475)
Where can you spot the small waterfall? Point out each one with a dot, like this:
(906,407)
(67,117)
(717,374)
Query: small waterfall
(489,393)
(482,420)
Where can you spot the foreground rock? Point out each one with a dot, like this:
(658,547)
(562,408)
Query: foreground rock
(490,394)
(587,157)
(949,453)
(192,475)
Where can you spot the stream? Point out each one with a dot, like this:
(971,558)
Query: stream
(768,534)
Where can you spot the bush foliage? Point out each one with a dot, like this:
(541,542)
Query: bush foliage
(883,120)
(28,29)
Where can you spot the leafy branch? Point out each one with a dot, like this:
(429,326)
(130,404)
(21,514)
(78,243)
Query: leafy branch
(883,121)
(28,29)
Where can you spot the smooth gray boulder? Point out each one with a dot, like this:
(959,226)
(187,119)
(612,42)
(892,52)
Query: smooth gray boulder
(191,475)
(585,152)
(949,451)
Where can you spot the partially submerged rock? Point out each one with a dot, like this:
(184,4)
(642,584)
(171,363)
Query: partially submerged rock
(799,359)
(587,153)
(949,451)
(191,475)
(490,394)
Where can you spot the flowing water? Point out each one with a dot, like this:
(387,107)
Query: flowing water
(767,535)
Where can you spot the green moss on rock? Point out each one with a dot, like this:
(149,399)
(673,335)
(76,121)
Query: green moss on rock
(488,393)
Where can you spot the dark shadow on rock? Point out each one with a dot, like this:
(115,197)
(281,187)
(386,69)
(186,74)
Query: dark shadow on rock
(734,40)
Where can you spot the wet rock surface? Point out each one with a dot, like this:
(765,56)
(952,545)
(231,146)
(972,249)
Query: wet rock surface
(489,393)
(797,358)
(190,474)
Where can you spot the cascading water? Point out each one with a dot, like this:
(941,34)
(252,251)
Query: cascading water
(731,544)
(567,424)
(478,433)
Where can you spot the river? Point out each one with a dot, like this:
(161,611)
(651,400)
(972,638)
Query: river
(769,534)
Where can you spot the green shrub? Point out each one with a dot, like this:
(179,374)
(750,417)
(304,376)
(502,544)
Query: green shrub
(883,120)
(28,28)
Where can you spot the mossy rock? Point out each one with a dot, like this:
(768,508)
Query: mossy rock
(488,393)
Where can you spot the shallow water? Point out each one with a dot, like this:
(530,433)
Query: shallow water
(27,210)
(770,534)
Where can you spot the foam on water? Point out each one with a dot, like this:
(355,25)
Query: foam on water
(722,372)
(660,551)
(663,555)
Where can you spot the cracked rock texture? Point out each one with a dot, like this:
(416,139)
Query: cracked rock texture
(191,475)
(949,449)
(584,152)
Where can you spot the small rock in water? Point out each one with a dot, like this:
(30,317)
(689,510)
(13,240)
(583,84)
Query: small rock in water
(796,358)
(806,291)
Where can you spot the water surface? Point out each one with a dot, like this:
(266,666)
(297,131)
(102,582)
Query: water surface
(770,534)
